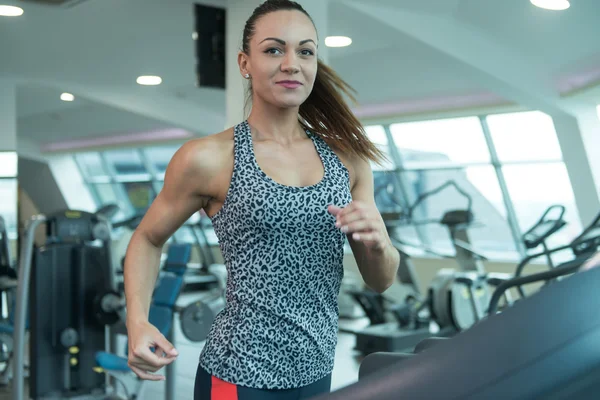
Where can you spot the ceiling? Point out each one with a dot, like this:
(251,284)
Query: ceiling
(407,56)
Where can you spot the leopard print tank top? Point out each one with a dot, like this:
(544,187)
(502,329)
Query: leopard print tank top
(284,258)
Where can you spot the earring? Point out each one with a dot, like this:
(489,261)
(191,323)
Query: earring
(247,76)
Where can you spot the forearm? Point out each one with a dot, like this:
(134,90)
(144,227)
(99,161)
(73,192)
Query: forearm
(379,267)
(142,263)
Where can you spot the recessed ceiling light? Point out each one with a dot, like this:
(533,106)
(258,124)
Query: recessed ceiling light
(337,41)
(10,11)
(149,80)
(557,5)
(67,97)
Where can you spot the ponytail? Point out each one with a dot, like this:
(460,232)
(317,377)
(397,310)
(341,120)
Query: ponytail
(326,114)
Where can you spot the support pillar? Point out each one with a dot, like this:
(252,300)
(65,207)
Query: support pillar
(579,138)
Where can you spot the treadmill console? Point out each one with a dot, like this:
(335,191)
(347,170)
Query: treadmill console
(544,228)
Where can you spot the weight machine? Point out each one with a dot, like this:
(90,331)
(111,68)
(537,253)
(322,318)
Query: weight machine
(76,310)
(61,279)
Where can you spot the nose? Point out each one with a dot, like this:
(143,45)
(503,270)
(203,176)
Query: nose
(289,64)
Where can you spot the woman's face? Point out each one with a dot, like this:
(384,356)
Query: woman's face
(282,62)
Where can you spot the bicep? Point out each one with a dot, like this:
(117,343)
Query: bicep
(178,200)
(363,187)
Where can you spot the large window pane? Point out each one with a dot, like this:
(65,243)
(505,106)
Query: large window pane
(490,235)
(535,187)
(389,199)
(126,162)
(8,164)
(526,136)
(91,165)
(107,193)
(8,206)
(376,134)
(140,194)
(160,157)
(441,142)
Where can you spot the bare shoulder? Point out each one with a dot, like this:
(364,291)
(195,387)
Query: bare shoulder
(205,153)
(199,162)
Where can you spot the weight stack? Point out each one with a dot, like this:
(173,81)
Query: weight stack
(64,334)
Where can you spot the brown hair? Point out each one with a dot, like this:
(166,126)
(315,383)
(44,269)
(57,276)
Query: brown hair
(324,112)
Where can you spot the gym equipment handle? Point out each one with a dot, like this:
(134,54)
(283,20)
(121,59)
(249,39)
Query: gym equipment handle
(564,269)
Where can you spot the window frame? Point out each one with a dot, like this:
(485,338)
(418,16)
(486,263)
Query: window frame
(156,178)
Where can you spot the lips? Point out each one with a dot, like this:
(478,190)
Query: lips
(289,84)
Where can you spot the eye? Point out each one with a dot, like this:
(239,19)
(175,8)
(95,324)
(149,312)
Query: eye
(307,52)
(272,51)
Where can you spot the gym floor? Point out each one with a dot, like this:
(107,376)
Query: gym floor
(345,370)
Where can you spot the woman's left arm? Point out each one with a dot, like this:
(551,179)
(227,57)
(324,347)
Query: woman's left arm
(375,255)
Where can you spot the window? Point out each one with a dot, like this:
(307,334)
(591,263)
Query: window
(127,165)
(8,206)
(140,195)
(159,158)
(490,234)
(91,165)
(107,193)
(158,185)
(376,134)
(391,203)
(8,164)
(525,136)
(440,142)
(535,187)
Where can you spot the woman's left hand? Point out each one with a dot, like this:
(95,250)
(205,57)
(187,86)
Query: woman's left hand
(363,222)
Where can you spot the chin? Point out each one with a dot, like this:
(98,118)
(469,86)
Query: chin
(289,101)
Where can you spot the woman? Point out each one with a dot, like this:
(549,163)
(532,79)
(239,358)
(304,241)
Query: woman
(283,189)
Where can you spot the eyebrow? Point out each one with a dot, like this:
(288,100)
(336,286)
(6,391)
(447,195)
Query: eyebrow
(282,42)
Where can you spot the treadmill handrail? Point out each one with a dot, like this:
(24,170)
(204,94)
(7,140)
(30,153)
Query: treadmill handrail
(563,269)
(557,223)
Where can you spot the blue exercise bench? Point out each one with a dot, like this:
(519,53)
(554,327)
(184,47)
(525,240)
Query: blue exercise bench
(161,315)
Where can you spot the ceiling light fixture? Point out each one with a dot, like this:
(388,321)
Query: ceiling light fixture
(10,11)
(337,41)
(149,80)
(67,97)
(555,5)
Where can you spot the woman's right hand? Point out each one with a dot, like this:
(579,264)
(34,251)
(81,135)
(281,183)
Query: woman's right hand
(142,337)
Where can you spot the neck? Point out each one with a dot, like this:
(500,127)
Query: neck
(280,124)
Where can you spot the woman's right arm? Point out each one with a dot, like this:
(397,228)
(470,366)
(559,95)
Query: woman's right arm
(186,190)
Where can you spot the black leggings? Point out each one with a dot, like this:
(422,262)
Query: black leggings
(208,387)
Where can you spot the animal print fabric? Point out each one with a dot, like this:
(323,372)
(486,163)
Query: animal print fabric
(284,258)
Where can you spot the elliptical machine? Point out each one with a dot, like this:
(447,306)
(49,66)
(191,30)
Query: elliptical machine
(455,299)
(62,279)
